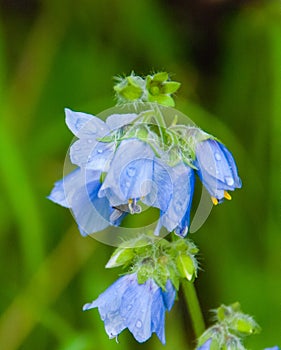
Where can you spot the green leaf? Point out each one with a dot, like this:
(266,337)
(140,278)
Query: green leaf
(186,267)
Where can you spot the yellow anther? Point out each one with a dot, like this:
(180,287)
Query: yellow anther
(130,201)
(227,195)
(214,200)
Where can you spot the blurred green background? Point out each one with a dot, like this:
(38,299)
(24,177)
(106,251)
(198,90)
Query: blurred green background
(56,54)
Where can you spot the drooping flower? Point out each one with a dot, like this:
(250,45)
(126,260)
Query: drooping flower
(216,169)
(138,307)
(79,189)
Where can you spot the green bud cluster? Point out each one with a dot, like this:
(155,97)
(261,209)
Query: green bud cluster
(230,328)
(153,88)
(159,259)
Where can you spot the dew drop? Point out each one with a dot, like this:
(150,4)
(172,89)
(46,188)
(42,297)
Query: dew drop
(127,184)
(217,156)
(89,140)
(99,150)
(129,307)
(139,324)
(131,171)
(229,180)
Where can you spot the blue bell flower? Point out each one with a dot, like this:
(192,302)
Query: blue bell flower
(216,169)
(138,307)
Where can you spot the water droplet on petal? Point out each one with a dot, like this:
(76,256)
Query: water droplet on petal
(217,156)
(139,324)
(129,307)
(131,171)
(127,184)
(229,180)
(90,140)
(99,150)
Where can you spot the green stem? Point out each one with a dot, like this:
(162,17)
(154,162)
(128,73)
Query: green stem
(194,308)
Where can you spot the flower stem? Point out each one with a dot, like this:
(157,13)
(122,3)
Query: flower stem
(194,308)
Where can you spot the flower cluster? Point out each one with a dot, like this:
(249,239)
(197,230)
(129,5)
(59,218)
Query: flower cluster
(130,160)
(133,160)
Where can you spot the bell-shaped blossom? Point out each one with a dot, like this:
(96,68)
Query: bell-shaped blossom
(138,307)
(216,169)
(91,213)
(79,189)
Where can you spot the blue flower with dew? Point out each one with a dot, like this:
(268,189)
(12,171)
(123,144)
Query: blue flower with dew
(91,212)
(79,189)
(216,169)
(138,307)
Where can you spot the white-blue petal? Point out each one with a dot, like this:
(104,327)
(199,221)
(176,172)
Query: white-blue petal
(136,309)
(206,345)
(85,125)
(64,189)
(116,121)
(130,173)
(91,213)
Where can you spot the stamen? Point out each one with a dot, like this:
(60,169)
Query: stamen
(214,200)
(227,195)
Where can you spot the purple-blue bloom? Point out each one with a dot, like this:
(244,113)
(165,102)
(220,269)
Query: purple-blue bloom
(216,169)
(138,307)
(274,348)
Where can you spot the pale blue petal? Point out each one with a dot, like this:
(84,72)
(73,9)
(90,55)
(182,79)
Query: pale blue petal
(64,189)
(162,188)
(95,155)
(91,213)
(273,348)
(130,173)
(116,121)
(216,168)
(206,345)
(158,315)
(169,295)
(85,125)
(182,178)
(136,309)
(108,304)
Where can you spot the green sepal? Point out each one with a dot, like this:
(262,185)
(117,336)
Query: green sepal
(121,256)
(130,88)
(164,100)
(244,324)
(161,77)
(186,267)
(170,87)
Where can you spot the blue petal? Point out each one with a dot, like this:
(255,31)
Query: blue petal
(64,189)
(91,213)
(158,315)
(116,121)
(183,186)
(216,168)
(162,187)
(130,173)
(169,295)
(82,124)
(274,348)
(95,155)
(109,303)
(136,308)
(206,345)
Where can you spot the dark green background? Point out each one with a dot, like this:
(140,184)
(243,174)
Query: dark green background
(56,54)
